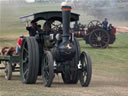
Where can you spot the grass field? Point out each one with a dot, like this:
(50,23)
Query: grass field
(110,66)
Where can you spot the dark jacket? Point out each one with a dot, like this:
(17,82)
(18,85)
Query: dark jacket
(105,24)
(32,31)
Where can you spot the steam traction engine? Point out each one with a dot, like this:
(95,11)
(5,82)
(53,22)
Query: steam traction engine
(57,51)
(95,34)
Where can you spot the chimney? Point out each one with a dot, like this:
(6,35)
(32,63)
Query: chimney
(66,9)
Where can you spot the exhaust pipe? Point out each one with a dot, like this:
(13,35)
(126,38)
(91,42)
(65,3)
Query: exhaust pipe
(66,14)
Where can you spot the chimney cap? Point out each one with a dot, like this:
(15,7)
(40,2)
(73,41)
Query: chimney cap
(66,3)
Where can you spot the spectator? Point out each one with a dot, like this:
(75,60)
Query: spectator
(19,43)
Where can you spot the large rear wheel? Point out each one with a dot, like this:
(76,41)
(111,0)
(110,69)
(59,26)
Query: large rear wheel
(29,63)
(99,38)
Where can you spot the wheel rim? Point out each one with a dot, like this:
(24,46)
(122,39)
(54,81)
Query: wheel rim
(46,69)
(8,71)
(84,68)
(25,60)
(99,39)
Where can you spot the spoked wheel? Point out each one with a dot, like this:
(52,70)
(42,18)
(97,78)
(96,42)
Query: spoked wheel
(85,72)
(94,23)
(47,69)
(29,63)
(8,71)
(72,77)
(99,38)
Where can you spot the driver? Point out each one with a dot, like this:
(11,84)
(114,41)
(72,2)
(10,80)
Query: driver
(105,24)
(47,27)
(32,29)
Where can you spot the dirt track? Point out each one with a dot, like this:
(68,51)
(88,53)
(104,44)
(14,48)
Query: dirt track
(101,85)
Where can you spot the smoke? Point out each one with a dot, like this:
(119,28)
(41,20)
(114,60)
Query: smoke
(111,9)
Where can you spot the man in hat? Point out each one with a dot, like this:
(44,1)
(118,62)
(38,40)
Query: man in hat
(105,24)
(32,29)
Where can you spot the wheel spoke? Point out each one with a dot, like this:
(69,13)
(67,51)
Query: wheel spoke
(26,72)
(93,39)
(46,75)
(85,74)
(98,23)
(100,34)
(104,36)
(96,35)
(25,50)
(46,68)
(103,42)
(25,60)
(91,24)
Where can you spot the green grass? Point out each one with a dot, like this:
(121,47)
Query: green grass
(112,59)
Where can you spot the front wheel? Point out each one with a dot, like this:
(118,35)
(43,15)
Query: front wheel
(47,69)
(85,72)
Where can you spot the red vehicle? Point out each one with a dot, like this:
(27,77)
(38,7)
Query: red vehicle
(95,34)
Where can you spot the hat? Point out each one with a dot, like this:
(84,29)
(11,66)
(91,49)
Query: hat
(22,36)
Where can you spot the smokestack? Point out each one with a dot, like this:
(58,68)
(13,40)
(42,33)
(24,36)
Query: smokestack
(66,8)
(65,49)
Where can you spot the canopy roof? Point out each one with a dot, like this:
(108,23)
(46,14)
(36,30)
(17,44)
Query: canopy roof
(48,15)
